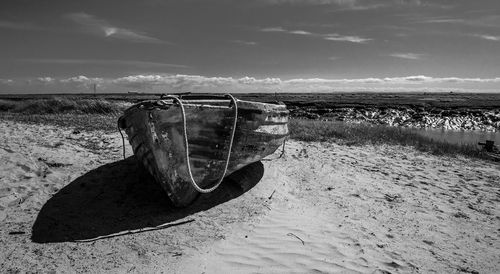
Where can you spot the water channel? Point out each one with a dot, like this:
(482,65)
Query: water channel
(458,136)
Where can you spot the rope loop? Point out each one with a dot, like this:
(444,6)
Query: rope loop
(186,144)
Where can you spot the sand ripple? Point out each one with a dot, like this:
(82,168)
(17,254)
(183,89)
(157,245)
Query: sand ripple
(293,240)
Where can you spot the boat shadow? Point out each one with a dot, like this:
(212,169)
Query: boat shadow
(123,196)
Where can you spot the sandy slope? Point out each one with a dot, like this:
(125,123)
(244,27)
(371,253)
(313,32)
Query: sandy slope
(323,207)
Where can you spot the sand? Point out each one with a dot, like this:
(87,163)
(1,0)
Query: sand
(321,208)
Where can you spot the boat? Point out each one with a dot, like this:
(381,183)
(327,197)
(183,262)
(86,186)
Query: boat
(190,143)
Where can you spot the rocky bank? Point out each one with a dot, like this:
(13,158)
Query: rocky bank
(454,119)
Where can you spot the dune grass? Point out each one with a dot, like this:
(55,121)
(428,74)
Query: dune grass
(82,122)
(82,114)
(57,105)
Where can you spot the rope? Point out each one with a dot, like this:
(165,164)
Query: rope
(135,231)
(281,154)
(123,139)
(283,149)
(186,144)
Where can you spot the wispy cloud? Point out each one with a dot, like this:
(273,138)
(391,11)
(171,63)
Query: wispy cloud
(111,62)
(329,37)
(342,4)
(246,43)
(359,5)
(488,21)
(492,21)
(102,28)
(301,32)
(402,80)
(312,2)
(19,25)
(443,21)
(6,81)
(273,29)
(488,37)
(408,55)
(344,38)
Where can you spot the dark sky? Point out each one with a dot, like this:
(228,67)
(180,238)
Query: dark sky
(242,45)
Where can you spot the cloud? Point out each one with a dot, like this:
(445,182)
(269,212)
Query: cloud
(273,29)
(48,84)
(80,79)
(176,82)
(301,32)
(488,37)
(18,25)
(428,79)
(307,81)
(246,43)
(357,5)
(161,83)
(104,29)
(253,81)
(329,37)
(411,79)
(312,2)
(342,4)
(45,80)
(443,20)
(343,38)
(104,62)
(488,21)
(197,81)
(416,79)
(409,56)
(6,81)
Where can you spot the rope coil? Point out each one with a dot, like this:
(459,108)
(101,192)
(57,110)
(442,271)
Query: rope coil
(186,144)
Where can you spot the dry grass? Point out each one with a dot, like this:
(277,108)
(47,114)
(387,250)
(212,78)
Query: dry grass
(82,114)
(57,105)
(86,122)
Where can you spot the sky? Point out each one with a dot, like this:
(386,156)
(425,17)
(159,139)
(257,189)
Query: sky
(52,46)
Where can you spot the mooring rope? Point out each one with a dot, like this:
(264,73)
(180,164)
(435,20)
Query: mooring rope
(135,231)
(186,144)
(281,154)
(123,139)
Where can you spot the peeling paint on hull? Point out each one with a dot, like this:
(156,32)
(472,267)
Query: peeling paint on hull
(155,132)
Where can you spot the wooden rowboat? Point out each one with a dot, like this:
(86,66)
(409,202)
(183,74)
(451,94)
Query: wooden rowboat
(190,144)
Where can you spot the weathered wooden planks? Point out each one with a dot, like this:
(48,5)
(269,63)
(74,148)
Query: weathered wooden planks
(155,132)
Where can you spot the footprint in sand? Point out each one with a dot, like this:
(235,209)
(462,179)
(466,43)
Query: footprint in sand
(303,153)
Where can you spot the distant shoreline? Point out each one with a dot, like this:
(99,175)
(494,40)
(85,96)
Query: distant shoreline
(454,111)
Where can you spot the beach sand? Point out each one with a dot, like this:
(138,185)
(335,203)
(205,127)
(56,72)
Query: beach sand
(323,207)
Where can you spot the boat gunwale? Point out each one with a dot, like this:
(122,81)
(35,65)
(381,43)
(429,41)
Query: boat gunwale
(189,104)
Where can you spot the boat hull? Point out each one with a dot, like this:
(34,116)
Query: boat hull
(156,134)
